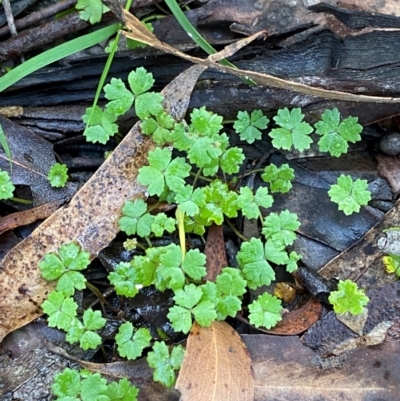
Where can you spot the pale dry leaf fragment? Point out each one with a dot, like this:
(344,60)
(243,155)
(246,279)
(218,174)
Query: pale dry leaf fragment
(90,219)
(216,366)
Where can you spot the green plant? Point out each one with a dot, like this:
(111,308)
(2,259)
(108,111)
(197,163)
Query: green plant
(335,135)
(6,186)
(392,264)
(201,182)
(71,385)
(279,178)
(248,126)
(349,194)
(348,298)
(58,175)
(293,131)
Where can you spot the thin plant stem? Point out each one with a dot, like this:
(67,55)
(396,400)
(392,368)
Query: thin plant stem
(236,231)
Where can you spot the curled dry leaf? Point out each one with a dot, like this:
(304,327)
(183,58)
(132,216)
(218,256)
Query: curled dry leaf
(216,366)
(90,219)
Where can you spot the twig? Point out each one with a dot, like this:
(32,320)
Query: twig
(39,16)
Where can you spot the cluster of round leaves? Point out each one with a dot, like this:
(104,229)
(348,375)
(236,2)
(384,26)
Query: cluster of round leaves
(65,266)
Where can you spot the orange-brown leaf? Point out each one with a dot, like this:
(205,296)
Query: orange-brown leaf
(216,367)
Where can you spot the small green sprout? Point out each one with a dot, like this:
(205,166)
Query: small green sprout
(6,186)
(165,363)
(279,178)
(335,135)
(249,126)
(265,311)
(348,298)
(92,10)
(58,175)
(71,385)
(349,194)
(131,341)
(84,333)
(293,131)
(65,267)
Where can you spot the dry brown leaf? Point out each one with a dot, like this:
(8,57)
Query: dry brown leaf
(140,33)
(29,216)
(90,218)
(216,366)
(215,252)
(32,157)
(285,370)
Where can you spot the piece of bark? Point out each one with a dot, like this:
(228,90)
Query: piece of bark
(29,216)
(286,370)
(39,36)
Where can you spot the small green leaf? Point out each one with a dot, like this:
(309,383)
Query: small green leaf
(349,194)
(164,363)
(189,201)
(250,204)
(163,223)
(279,178)
(392,264)
(148,104)
(231,160)
(6,186)
(120,98)
(92,10)
(134,218)
(122,391)
(131,342)
(219,201)
(102,125)
(280,228)
(204,122)
(293,132)
(163,172)
(335,135)
(140,80)
(348,298)
(248,127)
(67,384)
(70,281)
(256,270)
(124,279)
(61,310)
(58,175)
(265,311)
(194,264)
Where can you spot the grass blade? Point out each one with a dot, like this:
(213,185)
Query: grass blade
(55,54)
(4,144)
